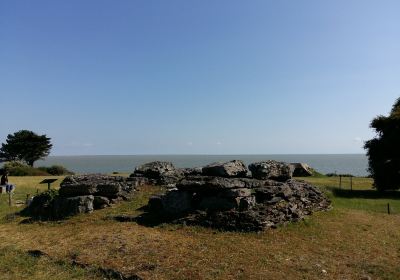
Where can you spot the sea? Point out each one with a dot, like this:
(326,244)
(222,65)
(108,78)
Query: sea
(355,164)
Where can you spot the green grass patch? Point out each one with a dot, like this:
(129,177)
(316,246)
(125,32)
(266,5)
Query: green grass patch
(25,186)
(16,264)
(360,195)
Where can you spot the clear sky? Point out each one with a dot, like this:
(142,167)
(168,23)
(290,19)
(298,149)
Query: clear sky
(189,77)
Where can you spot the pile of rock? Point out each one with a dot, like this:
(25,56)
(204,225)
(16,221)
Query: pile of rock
(82,194)
(229,196)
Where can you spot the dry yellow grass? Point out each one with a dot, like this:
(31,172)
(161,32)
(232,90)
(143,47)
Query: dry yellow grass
(340,244)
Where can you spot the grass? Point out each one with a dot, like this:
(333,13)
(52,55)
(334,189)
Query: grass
(17,264)
(356,239)
(362,196)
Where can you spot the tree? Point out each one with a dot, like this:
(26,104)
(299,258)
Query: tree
(384,150)
(26,146)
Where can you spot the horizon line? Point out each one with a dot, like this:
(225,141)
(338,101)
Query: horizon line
(261,154)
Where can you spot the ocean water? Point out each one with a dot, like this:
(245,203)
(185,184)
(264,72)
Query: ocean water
(355,164)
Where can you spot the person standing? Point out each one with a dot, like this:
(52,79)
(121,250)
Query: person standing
(4,181)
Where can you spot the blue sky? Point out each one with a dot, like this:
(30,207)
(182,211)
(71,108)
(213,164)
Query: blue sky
(198,77)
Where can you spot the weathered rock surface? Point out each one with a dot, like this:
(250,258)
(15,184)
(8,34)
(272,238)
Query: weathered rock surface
(101,202)
(161,172)
(269,199)
(176,202)
(234,168)
(195,171)
(209,183)
(301,170)
(271,169)
(81,194)
(140,181)
(69,206)
(94,184)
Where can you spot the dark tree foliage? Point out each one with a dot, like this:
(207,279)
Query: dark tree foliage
(384,150)
(25,146)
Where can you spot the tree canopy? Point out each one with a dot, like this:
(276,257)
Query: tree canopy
(384,150)
(25,146)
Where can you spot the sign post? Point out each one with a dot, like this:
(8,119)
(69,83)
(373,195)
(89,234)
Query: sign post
(48,182)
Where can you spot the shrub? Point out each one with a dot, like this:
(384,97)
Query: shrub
(337,175)
(16,168)
(41,204)
(56,170)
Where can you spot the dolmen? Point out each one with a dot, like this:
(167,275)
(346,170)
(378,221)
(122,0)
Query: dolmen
(80,194)
(231,196)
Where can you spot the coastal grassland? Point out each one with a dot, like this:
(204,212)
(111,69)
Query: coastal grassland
(17,264)
(26,185)
(348,242)
(362,196)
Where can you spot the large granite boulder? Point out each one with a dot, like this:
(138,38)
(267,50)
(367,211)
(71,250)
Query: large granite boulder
(163,173)
(234,168)
(271,169)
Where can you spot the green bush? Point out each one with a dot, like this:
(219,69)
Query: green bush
(15,168)
(337,175)
(56,170)
(41,204)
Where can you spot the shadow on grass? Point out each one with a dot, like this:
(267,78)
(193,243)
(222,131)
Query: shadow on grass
(367,194)
(148,218)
